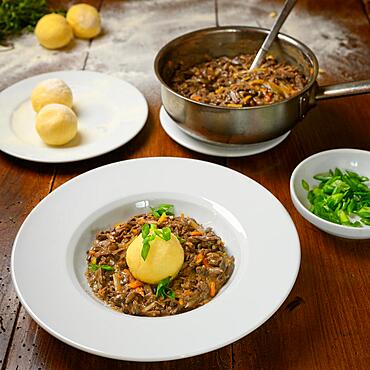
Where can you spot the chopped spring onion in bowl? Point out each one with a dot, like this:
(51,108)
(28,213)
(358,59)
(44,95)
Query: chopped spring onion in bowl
(331,190)
(341,197)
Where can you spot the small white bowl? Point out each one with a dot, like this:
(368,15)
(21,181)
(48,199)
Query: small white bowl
(346,159)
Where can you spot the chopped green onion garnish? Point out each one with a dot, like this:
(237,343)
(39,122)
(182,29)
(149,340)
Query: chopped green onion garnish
(163,289)
(340,196)
(305,186)
(164,234)
(168,209)
(95,267)
(145,230)
(146,246)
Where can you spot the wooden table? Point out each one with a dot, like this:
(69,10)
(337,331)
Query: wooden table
(325,321)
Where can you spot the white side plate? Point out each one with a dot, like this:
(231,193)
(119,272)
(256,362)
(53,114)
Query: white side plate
(217,150)
(110,113)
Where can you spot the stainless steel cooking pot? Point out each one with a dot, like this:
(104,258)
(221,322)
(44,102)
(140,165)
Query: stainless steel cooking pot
(241,125)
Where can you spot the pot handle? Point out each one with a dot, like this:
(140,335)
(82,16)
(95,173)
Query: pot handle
(345,89)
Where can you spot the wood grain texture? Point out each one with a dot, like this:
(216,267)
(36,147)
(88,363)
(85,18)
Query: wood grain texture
(324,323)
(318,327)
(366,4)
(22,187)
(23,184)
(32,347)
(321,325)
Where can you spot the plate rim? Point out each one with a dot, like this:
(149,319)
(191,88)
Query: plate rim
(77,345)
(54,74)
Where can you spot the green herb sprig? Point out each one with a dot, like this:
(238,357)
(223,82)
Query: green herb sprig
(340,196)
(163,289)
(95,267)
(19,15)
(168,209)
(147,238)
(148,233)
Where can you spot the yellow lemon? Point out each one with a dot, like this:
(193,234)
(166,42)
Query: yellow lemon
(56,124)
(84,20)
(51,91)
(164,259)
(53,31)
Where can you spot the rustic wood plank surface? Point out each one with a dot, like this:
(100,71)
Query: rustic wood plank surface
(325,321)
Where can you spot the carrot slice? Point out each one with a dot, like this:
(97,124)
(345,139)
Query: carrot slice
(129,275)
(162,218)
(140,291)
(196,98)
(196,233)
(212,288)
(199,259)
(135,284)
(205,263)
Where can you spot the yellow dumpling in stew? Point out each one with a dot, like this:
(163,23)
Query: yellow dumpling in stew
(164,259)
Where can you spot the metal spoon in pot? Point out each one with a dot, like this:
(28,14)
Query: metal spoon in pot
(288,6)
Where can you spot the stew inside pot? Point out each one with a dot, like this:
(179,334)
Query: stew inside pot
(227,82)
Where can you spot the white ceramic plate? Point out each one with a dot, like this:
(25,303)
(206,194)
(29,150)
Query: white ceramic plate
(48,258)
(218,150)
(110,113)
(354,160)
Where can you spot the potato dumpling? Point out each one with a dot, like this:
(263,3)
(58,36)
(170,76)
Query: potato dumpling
(84,20)
(51,91)
(164,259)
(56,124)
(53,31)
